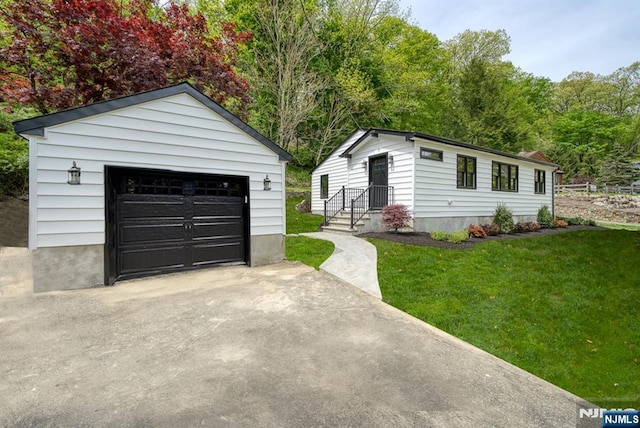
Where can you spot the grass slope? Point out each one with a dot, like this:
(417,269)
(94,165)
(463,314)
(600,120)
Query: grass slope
(312,252)
(301,222)
(563,307)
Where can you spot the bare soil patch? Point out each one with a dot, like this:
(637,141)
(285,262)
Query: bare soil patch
(14,219)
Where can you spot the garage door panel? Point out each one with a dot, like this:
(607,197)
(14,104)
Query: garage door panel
(218,207)
(152,258)
(149,233)
(218,252)
(229,228)
(146,207)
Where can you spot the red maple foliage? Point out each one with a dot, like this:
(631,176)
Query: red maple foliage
(65,53)
(395,216)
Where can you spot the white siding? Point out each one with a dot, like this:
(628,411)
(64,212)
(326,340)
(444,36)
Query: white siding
(400,172)
(437,194)
(176,133)
(338,170)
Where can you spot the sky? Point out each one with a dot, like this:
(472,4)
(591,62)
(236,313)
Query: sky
(548,38)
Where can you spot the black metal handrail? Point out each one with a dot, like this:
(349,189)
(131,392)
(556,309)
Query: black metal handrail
(360,202)
(372,198)
(338,202)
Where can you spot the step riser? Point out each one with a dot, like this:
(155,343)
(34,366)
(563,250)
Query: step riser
(342,223)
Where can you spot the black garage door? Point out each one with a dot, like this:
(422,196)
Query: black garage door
(168,221)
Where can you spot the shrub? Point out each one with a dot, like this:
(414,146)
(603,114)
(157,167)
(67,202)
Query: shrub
(582,179)
(491,229)
(458,236)
(545,219)
(455,237)
(526,227)
(533,226)
(14,166)
(560,223)
(575,221)
(503,217)
(439,235)
(477,231)
(395,216)
(14,151)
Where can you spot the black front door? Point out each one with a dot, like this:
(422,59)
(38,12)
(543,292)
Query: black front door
(169,221)
(379,179)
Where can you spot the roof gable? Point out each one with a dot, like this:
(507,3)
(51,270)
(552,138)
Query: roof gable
(37,125)
(537,155)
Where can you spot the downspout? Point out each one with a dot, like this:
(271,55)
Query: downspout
(553,194)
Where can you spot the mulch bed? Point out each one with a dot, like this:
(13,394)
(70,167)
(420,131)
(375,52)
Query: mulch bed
(423,239)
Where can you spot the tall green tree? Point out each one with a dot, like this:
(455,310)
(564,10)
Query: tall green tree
(591,115)
(492,104)
(413,85)
(582,139)
(617,168)
(313,69)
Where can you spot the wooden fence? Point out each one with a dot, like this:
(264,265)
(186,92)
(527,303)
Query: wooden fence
(587,187)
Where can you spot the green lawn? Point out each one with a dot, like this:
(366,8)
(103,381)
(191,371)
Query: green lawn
(621,226)
(312,252)
(301,222)
(564,307)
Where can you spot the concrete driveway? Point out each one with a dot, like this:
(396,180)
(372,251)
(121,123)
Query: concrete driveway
(280,345)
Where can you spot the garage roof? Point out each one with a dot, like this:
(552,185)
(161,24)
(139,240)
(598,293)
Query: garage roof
(36,125)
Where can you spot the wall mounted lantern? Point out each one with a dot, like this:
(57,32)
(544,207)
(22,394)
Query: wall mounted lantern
(364,164)
(391,161)
(267,183)
(74,174)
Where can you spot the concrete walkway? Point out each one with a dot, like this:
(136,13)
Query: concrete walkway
(354,260)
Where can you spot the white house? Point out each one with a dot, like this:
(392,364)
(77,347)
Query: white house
(168,181)
(446,184)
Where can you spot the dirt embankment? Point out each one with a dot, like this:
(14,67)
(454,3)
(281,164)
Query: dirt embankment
(14,218)
(615,209)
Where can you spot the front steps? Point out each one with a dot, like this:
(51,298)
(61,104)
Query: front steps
(341,223)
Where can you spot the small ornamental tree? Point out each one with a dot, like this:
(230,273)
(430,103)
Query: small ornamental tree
(395,217)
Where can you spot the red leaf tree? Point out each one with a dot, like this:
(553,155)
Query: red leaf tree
(64,53)
(395,216)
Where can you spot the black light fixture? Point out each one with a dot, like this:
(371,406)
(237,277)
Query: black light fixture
(364,164)
(267,183)
(74,174)
(391,161)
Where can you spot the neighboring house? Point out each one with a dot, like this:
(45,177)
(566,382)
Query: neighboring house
(169,181)
(446,184)
(538,155)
